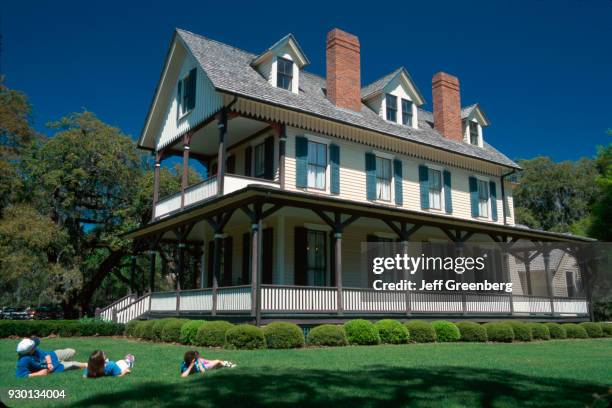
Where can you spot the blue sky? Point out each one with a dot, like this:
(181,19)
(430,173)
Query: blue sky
(541,70)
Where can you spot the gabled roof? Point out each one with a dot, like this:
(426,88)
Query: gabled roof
(230,71)
(474,109)
(379,85)
(287,41)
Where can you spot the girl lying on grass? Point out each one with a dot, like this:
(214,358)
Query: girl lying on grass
(193,363)
(100,366)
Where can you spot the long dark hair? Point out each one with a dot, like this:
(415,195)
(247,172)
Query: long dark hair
(190,356)
(95,365)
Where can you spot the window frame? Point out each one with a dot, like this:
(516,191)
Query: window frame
(485,182)
(321,234)
(181,97)
(393,109)
(431,191)
(404,113)
(472,125)
(324,167)
(259,146)
(284,74)
(389,160)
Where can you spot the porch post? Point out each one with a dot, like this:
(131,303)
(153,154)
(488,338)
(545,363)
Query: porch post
(527,261)
(216,270)
(203,256)
(255,257)
(151,271)
(156,171)
(179,274)
(338,267)
(185,177)
(132,272)
(549,278)
(221,154)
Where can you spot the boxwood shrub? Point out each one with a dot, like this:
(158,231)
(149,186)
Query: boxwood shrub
(471,331)
(446,331)
(283,335)
(593,329)
(64,328)
(556,331)
(245,336)
(522,332)
(606,329)
(189,330)
(327,335)
(171,331)
(130,328)
(421,331)
(539,331)
(575,331)
(212,334)
(499,332)
(392,332)
(145,329)
(360,331)
(156,330)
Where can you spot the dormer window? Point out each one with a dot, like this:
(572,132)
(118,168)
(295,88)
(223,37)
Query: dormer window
(391,102)
(284,73)
(473,129)
(406,112)
(186,93)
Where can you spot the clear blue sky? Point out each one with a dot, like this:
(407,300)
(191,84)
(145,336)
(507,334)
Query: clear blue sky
(541,70)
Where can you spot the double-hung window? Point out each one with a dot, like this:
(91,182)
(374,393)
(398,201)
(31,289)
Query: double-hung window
(391,102)
(317,165)
(185,93)
(316,258)
(483,198)
(259,169)
(284,73)
(383,179)
(473,129)
(406,112)
(435,189)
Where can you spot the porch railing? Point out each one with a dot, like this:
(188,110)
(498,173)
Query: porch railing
(228,299)
(108,312)
(134,310)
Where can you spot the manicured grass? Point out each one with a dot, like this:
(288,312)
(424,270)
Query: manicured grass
(559,373)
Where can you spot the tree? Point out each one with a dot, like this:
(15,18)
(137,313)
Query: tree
(601,219)
(555,196)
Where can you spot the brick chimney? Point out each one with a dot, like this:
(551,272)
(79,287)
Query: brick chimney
(447,106)
(343,70)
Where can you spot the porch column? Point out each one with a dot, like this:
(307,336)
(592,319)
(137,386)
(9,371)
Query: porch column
(151,271)
(185,177)
(203,256)
(221,154)
(218,237)
(549,278)
(179,274)
(132,272)
(255,275)
(338,267)
(156,171)
(527,261)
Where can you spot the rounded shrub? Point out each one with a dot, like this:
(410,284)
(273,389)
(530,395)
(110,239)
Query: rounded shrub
(245,336)
(593,329)
(130,328)
(499,332)
(606,329)
(392,332)
(283,335)
(522,331)
(146,329)
(156,330)
(575,331)
(556,331)
(539,331)
(171,331)
(421,331)
(360,331)
(327,335)
(446,331)
(189,330)
(471,331)
(212,334)
(69,329)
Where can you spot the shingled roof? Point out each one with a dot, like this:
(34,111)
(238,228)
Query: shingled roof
(230,71)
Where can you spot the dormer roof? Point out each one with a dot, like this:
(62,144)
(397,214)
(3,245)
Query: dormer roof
(378,86)
(475,112)
(288,42)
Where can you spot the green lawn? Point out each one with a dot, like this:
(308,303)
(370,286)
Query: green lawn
(554,373)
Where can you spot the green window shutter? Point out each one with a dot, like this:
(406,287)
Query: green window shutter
(269,158)
(370,163)
(191,88)
(493,192)
(334,158)
(397,174)
(424,183)
(301,158)
(474,196)
(248,156)
(448,197)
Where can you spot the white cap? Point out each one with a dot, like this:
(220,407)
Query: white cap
(25,346)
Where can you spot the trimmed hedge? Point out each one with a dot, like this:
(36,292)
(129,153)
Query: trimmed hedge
(283,335)
(606,329)
(593,329)
(575,331)
(361,332)
(421,331)
(212,334)
(446,331)
(156,329)
(539,331)
(63,328)
(392,332)
(499,332)
(130,328)
(189,331)
(522,331)
(145,329)
(171,331)
(556,331)
(471,331)
(327,335)
(245,336)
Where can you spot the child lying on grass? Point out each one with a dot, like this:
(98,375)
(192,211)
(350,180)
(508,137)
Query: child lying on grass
(100,366)
(193,363)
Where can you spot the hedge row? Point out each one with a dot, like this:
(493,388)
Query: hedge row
(63,328)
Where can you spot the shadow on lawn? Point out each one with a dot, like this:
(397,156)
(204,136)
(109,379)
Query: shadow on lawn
(379,386)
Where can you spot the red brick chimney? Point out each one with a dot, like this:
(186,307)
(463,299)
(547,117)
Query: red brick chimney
(343,70)
(447,106)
